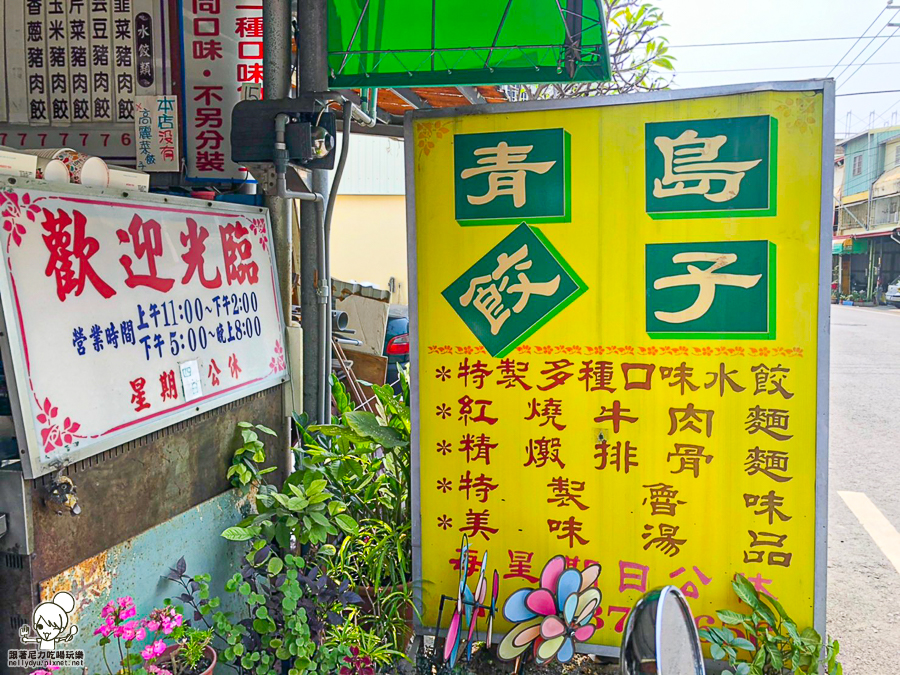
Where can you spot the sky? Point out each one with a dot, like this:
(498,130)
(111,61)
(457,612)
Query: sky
(703,22)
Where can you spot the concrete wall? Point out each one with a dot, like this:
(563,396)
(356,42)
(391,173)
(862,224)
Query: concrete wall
(368,242)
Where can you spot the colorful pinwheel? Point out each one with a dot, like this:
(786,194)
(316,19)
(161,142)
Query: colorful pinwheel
(553,618)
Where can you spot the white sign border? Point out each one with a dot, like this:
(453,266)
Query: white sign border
(12,348)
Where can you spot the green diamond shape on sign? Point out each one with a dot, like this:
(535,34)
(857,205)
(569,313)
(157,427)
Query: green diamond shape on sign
(502,178)
(514,289)
(715,290)
(716,168)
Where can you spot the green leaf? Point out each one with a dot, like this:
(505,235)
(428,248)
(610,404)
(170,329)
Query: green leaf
(366,424)
(335,507)
(266,430)
(245,425)
(346,523)
(717,652)
(275,565)
(775,656)
(742,643)
(745,591)
(759,659)
(297,503)
(731,618)
(316,487)
(240,533)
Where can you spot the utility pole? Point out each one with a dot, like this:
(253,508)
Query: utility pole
(277,84)
(313,69)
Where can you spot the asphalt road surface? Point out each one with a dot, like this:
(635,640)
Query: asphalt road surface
(864,489)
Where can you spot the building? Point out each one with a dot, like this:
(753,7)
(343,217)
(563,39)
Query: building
(866,243)
(369,230)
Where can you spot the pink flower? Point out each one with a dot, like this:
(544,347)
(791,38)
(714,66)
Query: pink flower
(126,601)
(104,630)
(108,610)
(141,634)
(127,631)
(128,612)
(151,624)
(156,670)
(147,653)
(158,647)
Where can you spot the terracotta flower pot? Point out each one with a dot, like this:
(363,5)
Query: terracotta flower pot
(164,661)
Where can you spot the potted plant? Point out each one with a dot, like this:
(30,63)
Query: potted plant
(172,647)
(193,654)
(365,459)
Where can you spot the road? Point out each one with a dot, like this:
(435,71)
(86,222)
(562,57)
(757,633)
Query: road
(863,583)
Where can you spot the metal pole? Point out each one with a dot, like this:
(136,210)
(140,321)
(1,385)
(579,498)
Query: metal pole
(313,69)
(277,84)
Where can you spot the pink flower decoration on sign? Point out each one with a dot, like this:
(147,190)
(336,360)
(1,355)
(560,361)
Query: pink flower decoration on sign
(55,434)
(258,227)
(13,212)
(277,363)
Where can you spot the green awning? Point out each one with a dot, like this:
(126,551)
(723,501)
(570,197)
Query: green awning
(417,43)
(849,246)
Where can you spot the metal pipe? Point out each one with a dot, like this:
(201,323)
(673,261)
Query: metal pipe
(277,83)
(313,73)
(281,164)
(323,297)
(326,265)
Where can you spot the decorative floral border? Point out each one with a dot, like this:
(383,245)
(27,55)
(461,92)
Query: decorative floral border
(13,213)
(626,350)
(277,364)
(55,434)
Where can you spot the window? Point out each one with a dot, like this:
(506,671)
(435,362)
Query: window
(897,156)
(857,165)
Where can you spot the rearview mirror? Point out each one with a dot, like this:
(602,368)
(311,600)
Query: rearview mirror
(661,637)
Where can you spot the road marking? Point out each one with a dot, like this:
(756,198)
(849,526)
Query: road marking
(879,528)
(882,312)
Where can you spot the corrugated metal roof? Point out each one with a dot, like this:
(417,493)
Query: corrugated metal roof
(374,166)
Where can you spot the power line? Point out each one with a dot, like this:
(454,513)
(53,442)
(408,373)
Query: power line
(850,76)
(766,42)
(857,42)
(863,93)
(744,70)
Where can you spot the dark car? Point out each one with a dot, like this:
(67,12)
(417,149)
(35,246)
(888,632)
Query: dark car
(396,343)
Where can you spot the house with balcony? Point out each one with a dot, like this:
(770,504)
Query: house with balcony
(866,245)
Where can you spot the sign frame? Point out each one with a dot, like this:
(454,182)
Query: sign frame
(826,88)
(12,350)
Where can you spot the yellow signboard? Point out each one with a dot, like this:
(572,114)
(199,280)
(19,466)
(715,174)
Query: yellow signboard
(620,348)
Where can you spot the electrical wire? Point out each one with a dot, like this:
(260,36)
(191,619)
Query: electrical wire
(850,76)
(763,42)
(745,70)
(857,42)
(866,93)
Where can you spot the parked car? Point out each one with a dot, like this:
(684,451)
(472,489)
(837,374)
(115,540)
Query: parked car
(396,343)
(893,293)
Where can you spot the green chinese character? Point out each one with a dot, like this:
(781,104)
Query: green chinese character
(711,168)
(713,290)
(513,290)
(504,177)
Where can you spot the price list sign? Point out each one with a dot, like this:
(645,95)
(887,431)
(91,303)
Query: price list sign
(624,361)
(124,315)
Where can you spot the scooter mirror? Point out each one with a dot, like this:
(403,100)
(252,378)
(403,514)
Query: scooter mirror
(660,636)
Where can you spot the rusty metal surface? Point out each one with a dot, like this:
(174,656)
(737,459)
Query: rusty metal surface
(134,487)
